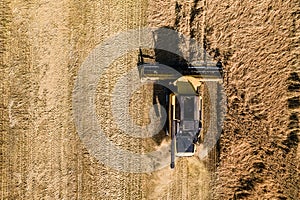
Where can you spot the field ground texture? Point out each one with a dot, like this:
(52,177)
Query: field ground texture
(43,45)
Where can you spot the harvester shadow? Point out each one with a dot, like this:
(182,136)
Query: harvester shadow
(162,38)
(160,94)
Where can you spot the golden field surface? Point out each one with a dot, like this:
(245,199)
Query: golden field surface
(44,44)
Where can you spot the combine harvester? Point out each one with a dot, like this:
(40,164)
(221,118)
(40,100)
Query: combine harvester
(183,100)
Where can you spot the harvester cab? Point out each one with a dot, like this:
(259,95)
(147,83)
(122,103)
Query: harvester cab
(183,100)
